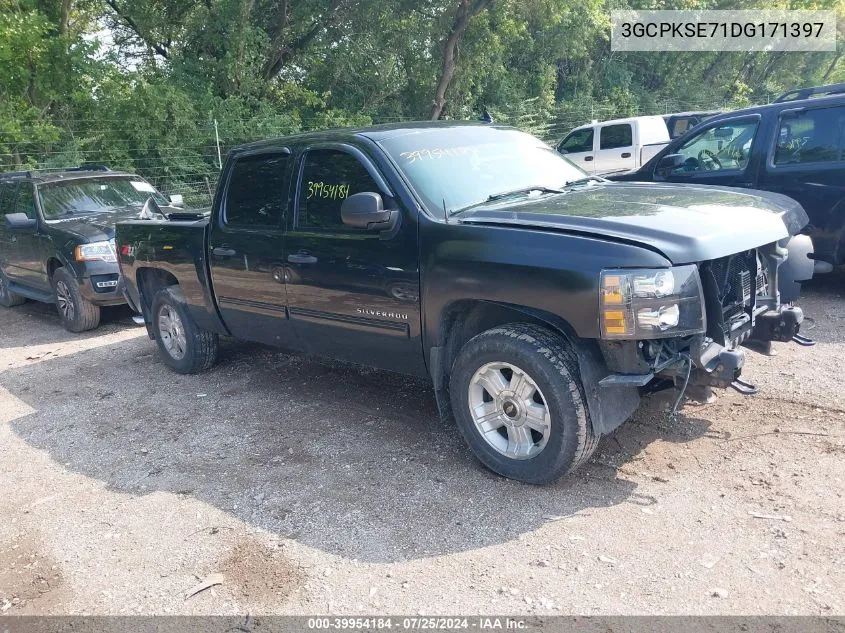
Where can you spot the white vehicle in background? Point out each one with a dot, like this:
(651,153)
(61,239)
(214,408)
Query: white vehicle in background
(617,145)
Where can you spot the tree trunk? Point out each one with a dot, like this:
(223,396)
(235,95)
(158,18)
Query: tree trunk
(67,6)
(830,68)
(466,11)
(282,51)
(159,48)
(246,11)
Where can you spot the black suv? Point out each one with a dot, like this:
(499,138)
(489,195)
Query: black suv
(794,146)
(57,238)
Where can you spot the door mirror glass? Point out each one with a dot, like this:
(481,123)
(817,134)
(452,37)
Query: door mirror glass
(366,210)
(20,221)
(177,200)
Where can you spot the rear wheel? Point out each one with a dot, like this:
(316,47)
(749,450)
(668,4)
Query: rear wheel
(76,313)
(519,403)
(8,299)
(183,345)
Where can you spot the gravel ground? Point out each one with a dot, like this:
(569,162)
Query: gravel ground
(307,486)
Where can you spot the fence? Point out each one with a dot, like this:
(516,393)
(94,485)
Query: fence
(188,163)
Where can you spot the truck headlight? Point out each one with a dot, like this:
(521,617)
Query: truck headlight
(96,252)
(647,303)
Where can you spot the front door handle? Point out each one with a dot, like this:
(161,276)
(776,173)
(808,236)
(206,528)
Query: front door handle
(626,154)
(588,158)
(302,258)
(222,251)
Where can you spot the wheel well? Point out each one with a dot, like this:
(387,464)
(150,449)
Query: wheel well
(465,319)
(53,265)
(150,281)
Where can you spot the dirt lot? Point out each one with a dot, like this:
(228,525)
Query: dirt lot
(315,487)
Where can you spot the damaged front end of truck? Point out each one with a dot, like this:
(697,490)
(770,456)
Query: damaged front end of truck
(689,326)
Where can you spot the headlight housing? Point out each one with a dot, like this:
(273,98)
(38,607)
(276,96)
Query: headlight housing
(651,303)
(96,252)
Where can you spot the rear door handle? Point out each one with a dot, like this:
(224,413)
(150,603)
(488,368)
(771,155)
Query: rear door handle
(588,158)
(222,251)
(626,154)
(303,257)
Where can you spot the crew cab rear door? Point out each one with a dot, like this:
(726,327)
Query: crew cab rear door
(806,161)
(354,294)
(616,148)
(246,247)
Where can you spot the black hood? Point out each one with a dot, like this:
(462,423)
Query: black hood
(97,227)
(686,223)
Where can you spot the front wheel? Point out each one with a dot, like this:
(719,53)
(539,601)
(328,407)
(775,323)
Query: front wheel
(75,311)
(183,345)
(519,403)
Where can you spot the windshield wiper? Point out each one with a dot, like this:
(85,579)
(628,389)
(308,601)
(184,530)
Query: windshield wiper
(585,179)
(508,194)
(81,211)
(521,191)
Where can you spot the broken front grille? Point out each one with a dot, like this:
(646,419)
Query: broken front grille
(731,285)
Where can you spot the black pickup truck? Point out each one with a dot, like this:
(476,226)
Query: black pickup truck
(541,302)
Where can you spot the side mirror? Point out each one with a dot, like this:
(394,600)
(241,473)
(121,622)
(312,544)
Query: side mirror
(151,210)
(670,162)
(177,200)
(366,210)
(20,221)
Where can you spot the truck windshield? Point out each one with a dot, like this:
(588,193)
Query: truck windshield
(85,196)
(459,167)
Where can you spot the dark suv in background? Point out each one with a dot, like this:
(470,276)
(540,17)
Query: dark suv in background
(57,238)
(794,146)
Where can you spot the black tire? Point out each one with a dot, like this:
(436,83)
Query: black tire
(549,361)
(200,346)
(76,313)
(8,299)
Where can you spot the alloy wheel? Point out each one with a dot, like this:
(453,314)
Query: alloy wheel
(509,410)
(172,332)
(64,301)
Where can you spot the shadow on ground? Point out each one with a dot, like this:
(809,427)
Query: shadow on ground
(346,459)
(41,324)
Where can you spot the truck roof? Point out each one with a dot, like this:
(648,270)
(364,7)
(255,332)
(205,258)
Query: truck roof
(372,132)
(630,119)
(652,129)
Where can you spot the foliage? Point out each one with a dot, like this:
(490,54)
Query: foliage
(139,84)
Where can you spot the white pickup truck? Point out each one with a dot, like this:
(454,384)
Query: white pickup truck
(617,145)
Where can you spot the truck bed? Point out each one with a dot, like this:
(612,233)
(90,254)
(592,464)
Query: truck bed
(179,249)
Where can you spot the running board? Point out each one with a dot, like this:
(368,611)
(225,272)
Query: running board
(31,293)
